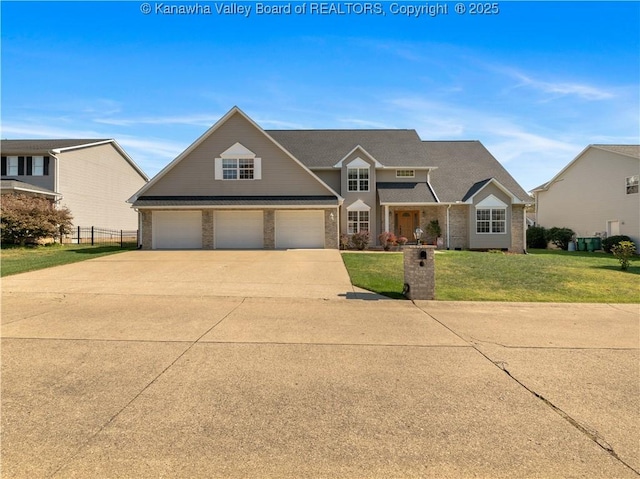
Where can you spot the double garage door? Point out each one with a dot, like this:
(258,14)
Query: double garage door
(238,229)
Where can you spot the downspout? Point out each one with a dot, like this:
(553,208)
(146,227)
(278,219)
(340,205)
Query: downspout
(448,229)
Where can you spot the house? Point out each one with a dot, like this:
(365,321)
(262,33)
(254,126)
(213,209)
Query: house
(595,194)
(93,178)
(239,186)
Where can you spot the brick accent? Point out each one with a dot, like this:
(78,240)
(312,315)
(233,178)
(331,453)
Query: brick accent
(331,229)
(419,273)
(269,225)
(517,229)
(207,229)
(147,229)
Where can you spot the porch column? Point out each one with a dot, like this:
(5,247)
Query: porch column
(386,218)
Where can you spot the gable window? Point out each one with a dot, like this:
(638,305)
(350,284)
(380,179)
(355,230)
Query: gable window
(632,184)
(491,220)
(12,165)
(405,173)
(238,163)
(237,169)
(358,179)
(357,221)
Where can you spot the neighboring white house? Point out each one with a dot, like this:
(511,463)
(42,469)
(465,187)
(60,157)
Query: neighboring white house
(93,178)
(596,193)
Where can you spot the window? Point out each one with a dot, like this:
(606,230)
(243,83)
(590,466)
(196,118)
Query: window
(358,179)
(491,220)
(12,165)
(405,173)
(37,166)
(357,221)
(632,184)
(237,169)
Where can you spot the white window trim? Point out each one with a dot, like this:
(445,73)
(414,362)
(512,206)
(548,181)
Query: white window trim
(491,220)
(236,153)
(359,222)
(358,179)
(412,175)
(628,184)
(33,165)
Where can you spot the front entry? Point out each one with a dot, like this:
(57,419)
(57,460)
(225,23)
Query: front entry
(406,223)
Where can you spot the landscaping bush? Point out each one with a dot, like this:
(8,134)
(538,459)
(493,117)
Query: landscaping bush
(611,241)
(387,240)
(560,237)
(31,218)
(624,251)
(537,237)
(345,241)
(360,240)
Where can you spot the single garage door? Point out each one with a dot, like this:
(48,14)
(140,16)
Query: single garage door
(300,229)
(177,229)
(239,230)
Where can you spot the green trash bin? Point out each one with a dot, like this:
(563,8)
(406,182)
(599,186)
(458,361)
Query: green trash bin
(597,243)
(590,243)
(582,246)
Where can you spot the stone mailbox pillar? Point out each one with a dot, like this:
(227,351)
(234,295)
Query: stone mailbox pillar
(419,272)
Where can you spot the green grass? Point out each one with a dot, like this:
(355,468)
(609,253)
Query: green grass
(541,276)
(19,259)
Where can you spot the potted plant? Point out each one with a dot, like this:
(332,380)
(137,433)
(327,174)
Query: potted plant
(387,240)
(433,231)
(402,240)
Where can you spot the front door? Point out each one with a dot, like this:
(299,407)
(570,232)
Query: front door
(406,224)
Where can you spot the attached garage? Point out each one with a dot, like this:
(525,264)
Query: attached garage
(239,229)
(299,229)
(177,229)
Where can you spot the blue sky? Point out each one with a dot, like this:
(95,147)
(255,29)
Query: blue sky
(536,82)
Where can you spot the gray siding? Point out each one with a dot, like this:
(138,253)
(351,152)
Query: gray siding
(194,175)
(369,197)
(95,184)
(489,241)
(333,178)
(389,176)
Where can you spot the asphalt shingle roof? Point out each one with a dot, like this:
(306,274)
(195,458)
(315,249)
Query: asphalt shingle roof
(17,185)
(629,150)
(9,147)
(234,200)
(325,148)
(404,193)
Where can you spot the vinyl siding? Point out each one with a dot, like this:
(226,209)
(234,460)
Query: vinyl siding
(350,197)
(194,174)
(389,176)
(590,193)
(489,241)
(41,181)
(95,183)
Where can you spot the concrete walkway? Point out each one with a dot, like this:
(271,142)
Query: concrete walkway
(113,368)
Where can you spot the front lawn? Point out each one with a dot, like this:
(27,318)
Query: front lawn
(19,259)
(541,275)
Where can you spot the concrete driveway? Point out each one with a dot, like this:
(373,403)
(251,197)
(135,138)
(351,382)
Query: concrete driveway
(201,364)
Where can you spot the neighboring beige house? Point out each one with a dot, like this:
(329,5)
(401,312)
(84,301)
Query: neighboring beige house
(239,186)
(93,178)
(595,194)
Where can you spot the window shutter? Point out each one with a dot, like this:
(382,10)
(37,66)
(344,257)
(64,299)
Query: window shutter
(257,168)
(20,165)
(29,165)
(45,167)
(4,166)
(218,168)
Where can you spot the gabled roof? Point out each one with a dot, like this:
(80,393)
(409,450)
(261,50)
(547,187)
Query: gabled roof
(632,151)
(43,146)
(56,146)
(324,148)
(460,165)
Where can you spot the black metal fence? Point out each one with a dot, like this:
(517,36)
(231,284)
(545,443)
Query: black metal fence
(101,236)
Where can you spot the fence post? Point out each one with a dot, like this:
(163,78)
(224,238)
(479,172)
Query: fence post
(92,241)
(78,235)
(121,241)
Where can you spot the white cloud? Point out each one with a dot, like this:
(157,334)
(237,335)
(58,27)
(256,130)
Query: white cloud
(562,88)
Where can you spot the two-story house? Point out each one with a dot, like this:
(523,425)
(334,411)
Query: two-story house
(93,178)
(239,186)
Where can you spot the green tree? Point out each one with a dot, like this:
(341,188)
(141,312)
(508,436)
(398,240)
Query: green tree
(30,218)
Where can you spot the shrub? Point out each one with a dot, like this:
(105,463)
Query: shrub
(433,231)
(611,241)
(623,251)
(360,240)
(387,240)
(560,237)
(345,241)
(31,218)
(537,237)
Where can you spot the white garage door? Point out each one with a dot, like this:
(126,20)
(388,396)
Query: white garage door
(239,230)
(177,229)
(300,229)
